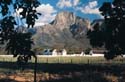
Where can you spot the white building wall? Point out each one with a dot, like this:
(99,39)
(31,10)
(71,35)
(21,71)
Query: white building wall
(54,52)
(64,52)
(96,55)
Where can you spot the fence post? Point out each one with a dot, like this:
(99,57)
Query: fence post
(71,61)
(47,60)
(88,61)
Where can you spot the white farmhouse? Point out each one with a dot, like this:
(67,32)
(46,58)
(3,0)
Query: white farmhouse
(82,54)
(54,52)
(64,52)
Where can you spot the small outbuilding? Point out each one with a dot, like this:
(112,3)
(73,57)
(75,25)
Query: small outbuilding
(64,52)
(54,52)
(97,53)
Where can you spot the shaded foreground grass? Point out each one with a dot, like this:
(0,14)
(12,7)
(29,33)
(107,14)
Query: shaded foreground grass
(63,72)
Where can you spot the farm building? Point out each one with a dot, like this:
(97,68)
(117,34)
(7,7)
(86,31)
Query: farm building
(63,52)
(54,52)
(97,52)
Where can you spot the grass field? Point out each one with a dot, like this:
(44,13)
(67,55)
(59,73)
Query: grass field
(64,69)
(69,60)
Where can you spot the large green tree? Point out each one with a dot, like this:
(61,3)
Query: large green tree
(112,35)
(18,43)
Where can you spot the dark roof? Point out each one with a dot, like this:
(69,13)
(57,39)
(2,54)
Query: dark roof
(99,51)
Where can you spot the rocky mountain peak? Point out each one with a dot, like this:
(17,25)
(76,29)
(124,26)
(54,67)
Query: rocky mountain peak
(65,18)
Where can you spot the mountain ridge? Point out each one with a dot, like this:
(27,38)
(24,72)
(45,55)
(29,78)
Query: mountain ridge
(66,31)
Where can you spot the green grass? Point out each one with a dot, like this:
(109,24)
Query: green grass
(78,60)
(7,59)
(73,60)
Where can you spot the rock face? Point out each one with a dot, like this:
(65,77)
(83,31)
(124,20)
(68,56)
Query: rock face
(66,31)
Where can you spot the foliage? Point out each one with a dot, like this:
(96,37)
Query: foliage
(87,51)
(112,36)
(29,11)
(95,35)
(18,43)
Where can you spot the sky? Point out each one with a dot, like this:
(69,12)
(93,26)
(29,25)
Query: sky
(88,9)
(83,8)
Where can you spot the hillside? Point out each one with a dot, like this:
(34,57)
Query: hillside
(66,31)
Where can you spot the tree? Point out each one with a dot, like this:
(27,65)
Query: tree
(114,31)
(95,36)
(18,43)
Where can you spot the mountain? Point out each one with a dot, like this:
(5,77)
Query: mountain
(66,31)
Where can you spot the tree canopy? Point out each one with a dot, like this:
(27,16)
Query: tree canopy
(112,35)
(17,43)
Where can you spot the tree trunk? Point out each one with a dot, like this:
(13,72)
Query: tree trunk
(35,69)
